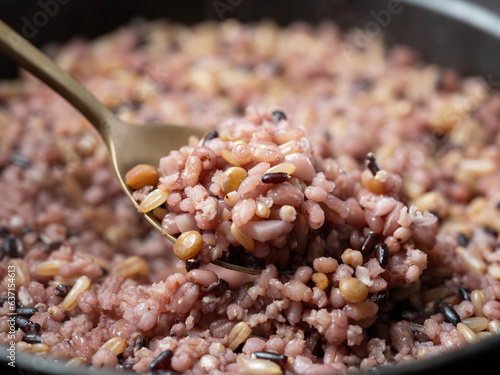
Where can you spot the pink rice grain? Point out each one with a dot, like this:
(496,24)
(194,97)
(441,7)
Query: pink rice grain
(491,310)
(243,211)
(184,298)
(104,358)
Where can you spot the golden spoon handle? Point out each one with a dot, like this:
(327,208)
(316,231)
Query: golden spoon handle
(40,65)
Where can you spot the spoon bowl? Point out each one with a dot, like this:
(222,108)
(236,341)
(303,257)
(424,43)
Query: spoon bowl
(131,144)
(128,144)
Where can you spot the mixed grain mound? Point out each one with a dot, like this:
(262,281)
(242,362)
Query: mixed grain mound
(370,175)
(253,191)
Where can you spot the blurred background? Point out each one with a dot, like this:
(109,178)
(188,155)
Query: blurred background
(469,29)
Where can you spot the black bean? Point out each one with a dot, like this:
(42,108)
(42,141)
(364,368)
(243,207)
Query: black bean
(212,134)
(463,241)
(221,287)
(139,343)
(54,245)
(32,328)
(20,161)
(278,116)
(162,362)
(26,325)
(371,163)
(27,312)
(382,254)
(275,177)
(450,314)
(32,338)
(498,205)
(192,264)
(464,292)
(280,359)
(369,243)
(21,322)
(12,247)
(380,296)
(62,290)
(420,336)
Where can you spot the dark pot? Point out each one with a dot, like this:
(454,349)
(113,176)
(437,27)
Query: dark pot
(464,35)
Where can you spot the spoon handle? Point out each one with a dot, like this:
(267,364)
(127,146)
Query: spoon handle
(40,65)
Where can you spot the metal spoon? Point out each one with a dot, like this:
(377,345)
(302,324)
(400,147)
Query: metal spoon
(128,144)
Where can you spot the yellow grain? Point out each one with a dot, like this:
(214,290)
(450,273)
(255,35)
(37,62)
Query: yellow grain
(49,267)
(282,167)
(232,178)
(141,175)
(320,279)
(468,333)
(262,210)
(238,334)
(132,267)
(245,241)
(494,326)
(39,348)
(188,245)
(353,290)
(229,157)
(478,299)
(256,366)
(22,273)
(116,344)
(70,301)
(352,257)
(476,323)
(153,200)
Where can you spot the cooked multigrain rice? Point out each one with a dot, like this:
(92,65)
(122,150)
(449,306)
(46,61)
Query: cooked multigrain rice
(215,186)
(372,177)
